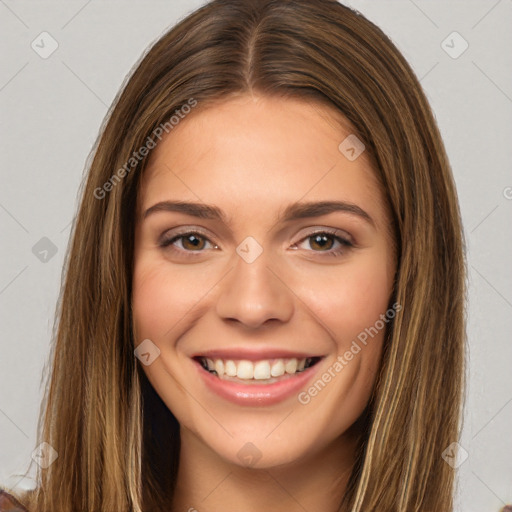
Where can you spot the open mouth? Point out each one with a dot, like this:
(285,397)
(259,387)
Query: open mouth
(266,371)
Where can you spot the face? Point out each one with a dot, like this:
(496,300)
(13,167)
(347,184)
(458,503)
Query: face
(262,277)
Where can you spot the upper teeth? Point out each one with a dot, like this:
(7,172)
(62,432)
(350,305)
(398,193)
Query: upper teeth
(259,370)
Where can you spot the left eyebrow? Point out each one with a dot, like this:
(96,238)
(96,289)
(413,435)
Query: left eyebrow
(294,211)
(316,209)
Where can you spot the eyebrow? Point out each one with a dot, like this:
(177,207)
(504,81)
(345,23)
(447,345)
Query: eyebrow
(294,211)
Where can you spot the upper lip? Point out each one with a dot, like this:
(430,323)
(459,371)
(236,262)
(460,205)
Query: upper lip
(253,354)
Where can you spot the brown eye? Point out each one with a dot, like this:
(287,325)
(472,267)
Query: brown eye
(187,242)
(326,242)
(191,242)
(321,241)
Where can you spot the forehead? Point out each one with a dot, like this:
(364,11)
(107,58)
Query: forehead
(253,153)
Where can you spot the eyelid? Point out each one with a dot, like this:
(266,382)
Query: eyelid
(166,240)
(170,234)
(313,230)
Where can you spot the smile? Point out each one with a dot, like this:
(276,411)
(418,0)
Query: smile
(268,370)
(256,382)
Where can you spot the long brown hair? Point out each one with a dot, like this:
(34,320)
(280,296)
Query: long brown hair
(117,443)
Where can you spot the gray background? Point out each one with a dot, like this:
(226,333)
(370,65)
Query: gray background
(52,109)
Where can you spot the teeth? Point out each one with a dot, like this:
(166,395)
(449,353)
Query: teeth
(262,370)
(230,369)
(245,370)
(255,370)
(219,366)
(291,366)
(277,369)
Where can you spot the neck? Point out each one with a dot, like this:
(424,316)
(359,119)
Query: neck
(317,482)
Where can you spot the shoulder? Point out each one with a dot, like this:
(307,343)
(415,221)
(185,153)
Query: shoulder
(9,503)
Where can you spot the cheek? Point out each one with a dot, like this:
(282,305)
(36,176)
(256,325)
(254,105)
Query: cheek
(161,298)
(348,304)
(352,298)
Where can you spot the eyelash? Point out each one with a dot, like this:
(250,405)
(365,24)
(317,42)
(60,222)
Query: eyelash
(344,243)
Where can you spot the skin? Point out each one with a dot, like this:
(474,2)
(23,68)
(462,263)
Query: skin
(252,156)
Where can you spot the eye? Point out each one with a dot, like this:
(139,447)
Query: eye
(324,241)
(191,241)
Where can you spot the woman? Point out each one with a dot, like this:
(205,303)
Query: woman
(264,299)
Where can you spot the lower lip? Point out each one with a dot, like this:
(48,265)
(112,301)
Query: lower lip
(256,394)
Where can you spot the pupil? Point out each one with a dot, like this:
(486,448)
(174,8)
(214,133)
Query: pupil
(193,240)
(320,239)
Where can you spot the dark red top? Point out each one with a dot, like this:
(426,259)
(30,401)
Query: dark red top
(9,503)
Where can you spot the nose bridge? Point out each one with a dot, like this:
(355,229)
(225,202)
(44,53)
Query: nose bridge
(253,293)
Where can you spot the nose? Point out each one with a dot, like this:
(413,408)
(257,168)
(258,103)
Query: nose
(254,294)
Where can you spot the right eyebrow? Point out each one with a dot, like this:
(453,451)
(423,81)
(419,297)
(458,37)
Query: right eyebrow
(202,211)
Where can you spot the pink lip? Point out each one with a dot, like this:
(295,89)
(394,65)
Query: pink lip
(256,394)
(252,355)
